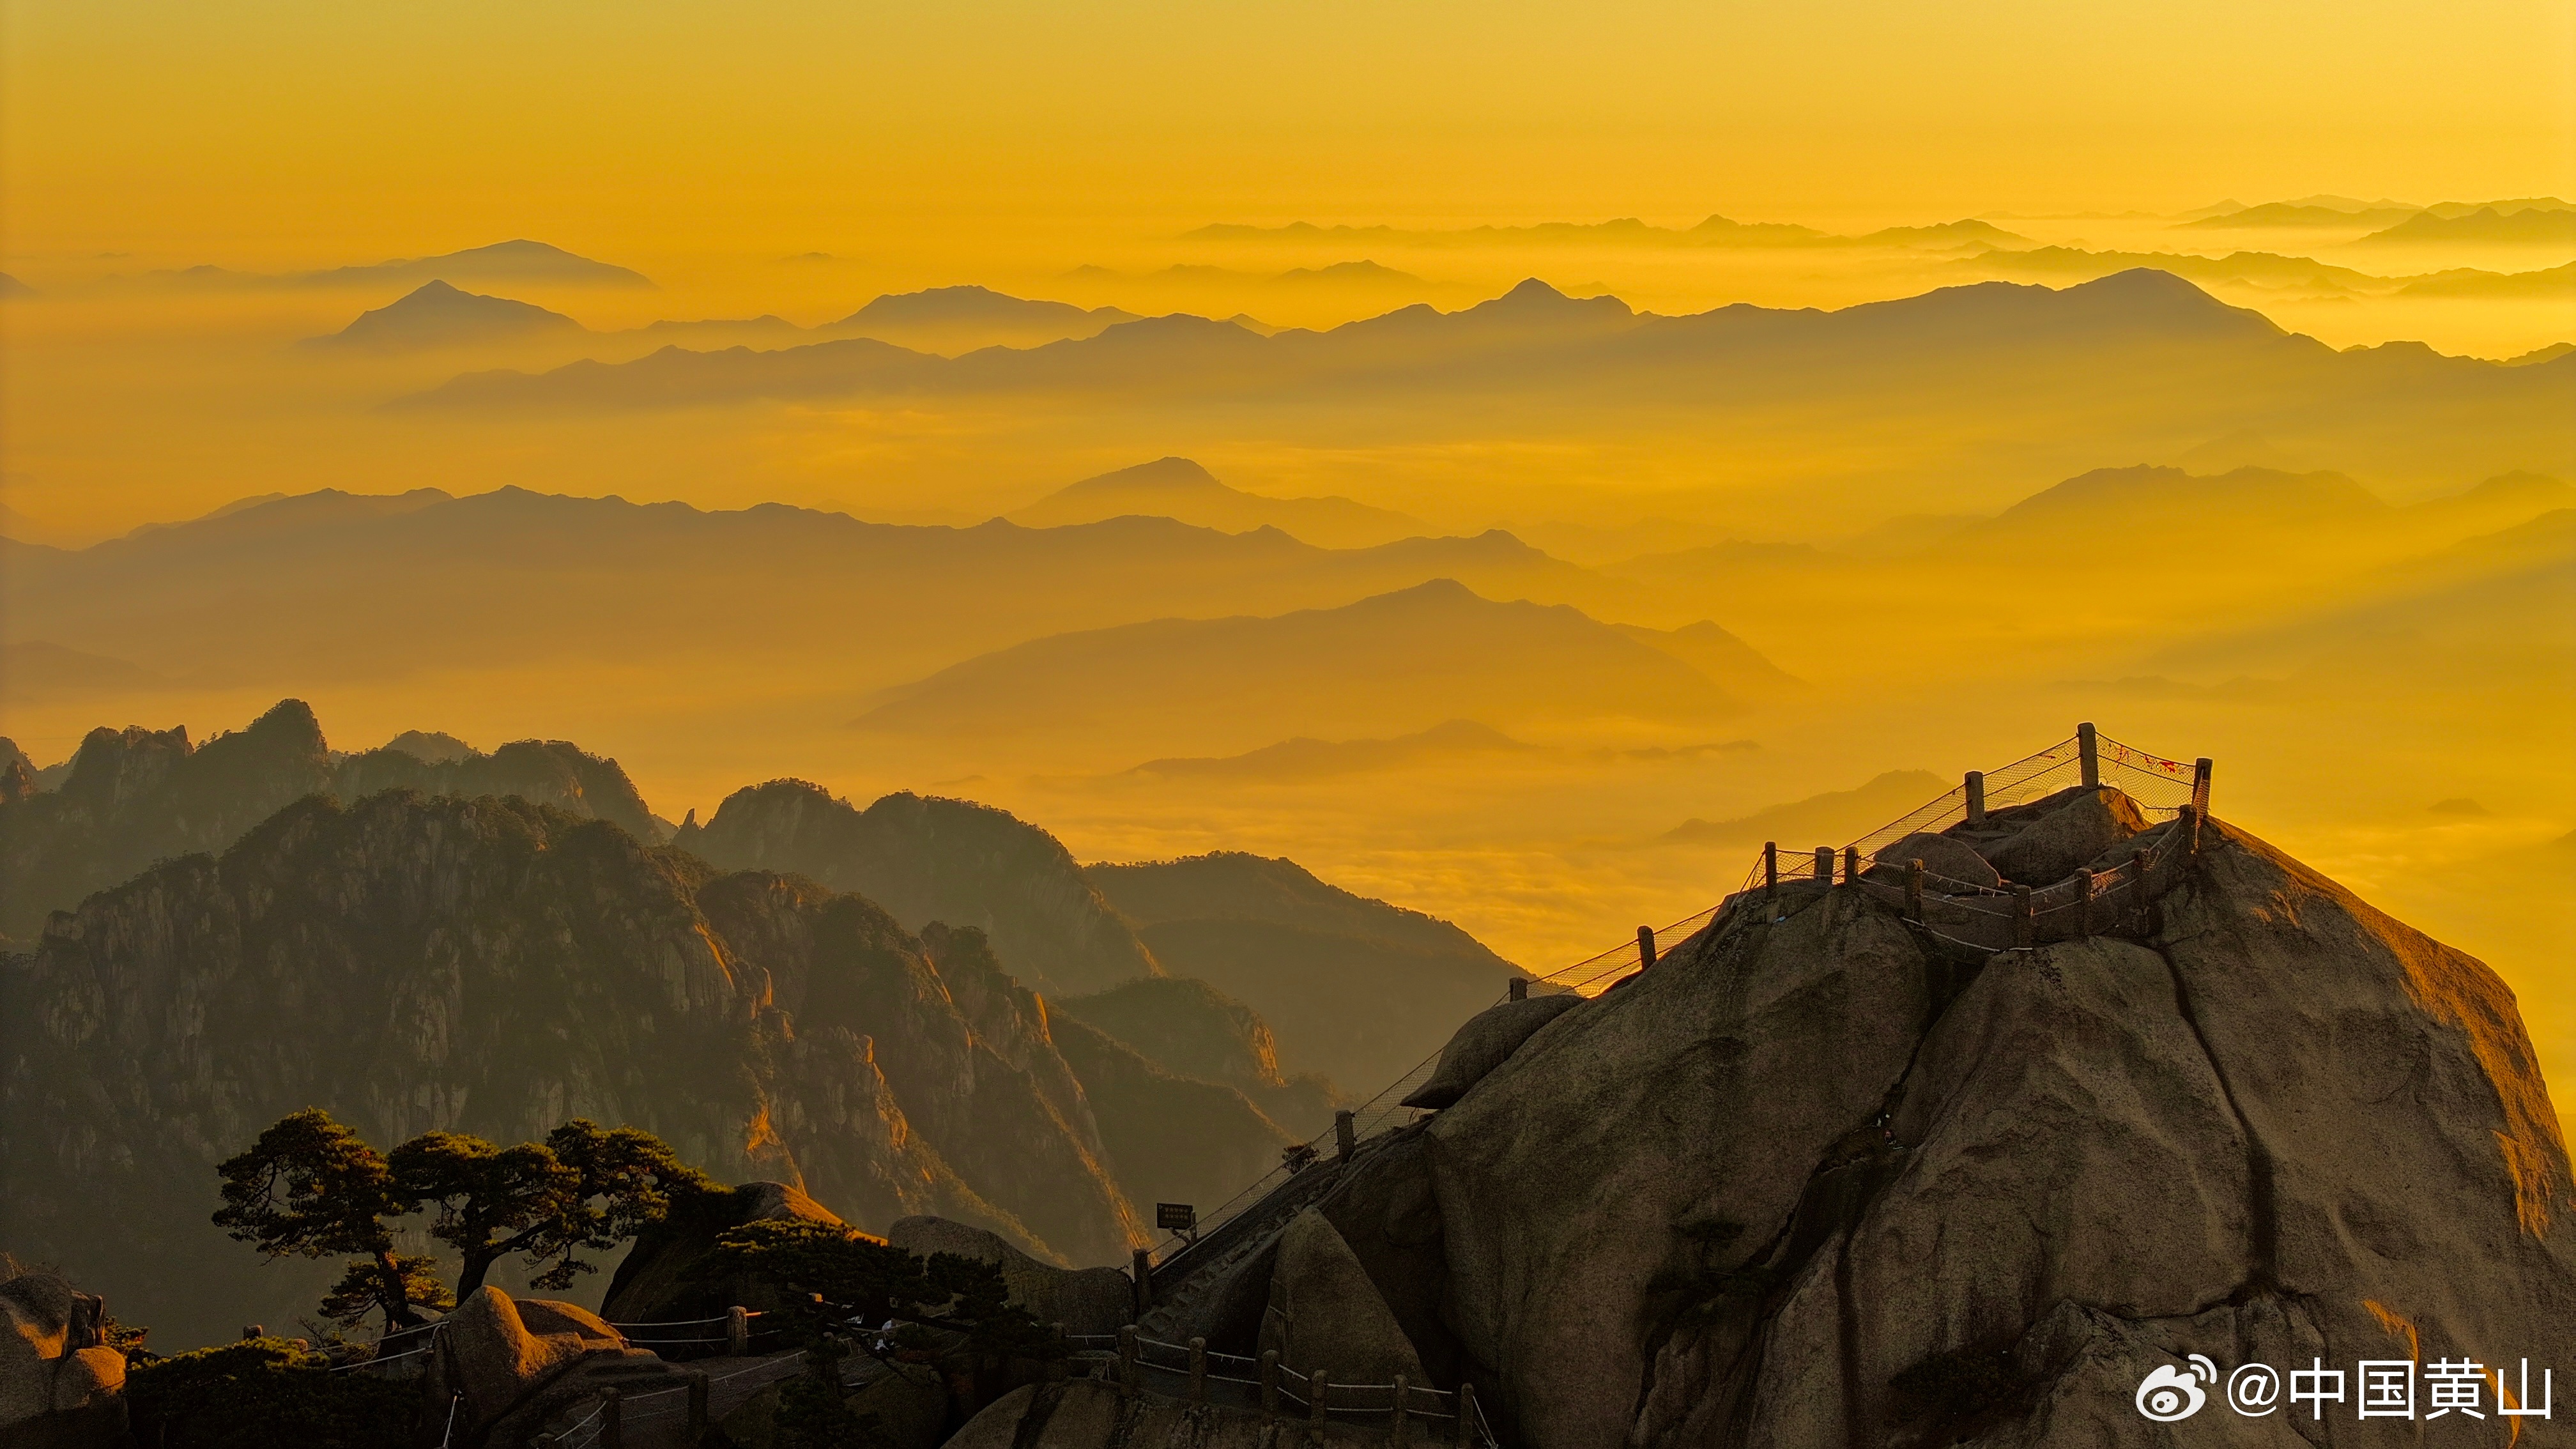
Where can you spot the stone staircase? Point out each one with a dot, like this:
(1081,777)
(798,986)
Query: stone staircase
(1186,1287)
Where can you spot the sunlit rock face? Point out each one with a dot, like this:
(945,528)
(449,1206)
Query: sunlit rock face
(1820,1180)
(497,967)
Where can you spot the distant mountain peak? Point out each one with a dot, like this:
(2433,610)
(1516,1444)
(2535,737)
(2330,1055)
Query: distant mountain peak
(438,314)
(1168,474)
(1180,489)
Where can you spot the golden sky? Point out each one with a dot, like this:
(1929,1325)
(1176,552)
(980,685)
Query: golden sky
(267,131)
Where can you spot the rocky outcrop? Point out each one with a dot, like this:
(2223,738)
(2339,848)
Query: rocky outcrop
(61,1386)
(496,967)
(1084,1300)
(135,796)
(1325,1315)
(933,859)
(2052,838)
(547,772)
(1355,989)
(1817,1181)
(1819,1178)
(1487,1041)
(1942,856)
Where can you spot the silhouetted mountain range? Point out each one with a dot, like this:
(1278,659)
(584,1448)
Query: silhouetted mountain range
(135,796)
(2530,225)
(1405,660)
(935,860)
(438,315)
(2470,282)
(425,580)
(2312,214)
(2113,362)
(1304,758)
(1532,337)
(1179,489)
(2493,618)
(1827,819)
(1353,987)
(1626,231)
(510,261)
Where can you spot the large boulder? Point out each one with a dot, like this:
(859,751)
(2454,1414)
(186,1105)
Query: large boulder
(1486,1042)
(1822,1181)
(1325,1312)
(499,1353)
(60,1385)
(1084,1300)
(2060,835)
(1942,856)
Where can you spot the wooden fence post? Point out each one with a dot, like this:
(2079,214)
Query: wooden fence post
(1141,1264)
(738,1330)
(1270,1386)
(1403,1413)
(612,1420)
(1976,788)
(1914,891)
(1518,989)
(1319,1387)
(1466,1414)
(1770,867)
(1824,865)
(1851,865)
(1645,947)
(2189,824)
(2088,754)
(698,1388)
(1346,1136)
(2200,784)
(1131,1373)
(1198,1370)
(2025,924)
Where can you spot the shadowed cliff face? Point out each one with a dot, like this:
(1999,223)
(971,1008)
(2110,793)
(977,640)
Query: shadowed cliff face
(135,796)
(936,859)
(1736,1200)
(496,967)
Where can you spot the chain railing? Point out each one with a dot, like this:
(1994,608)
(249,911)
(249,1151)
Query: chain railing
(2161,787)
(1386,1112)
